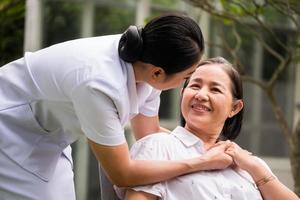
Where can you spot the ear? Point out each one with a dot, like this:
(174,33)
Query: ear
(157,73)
(236,108)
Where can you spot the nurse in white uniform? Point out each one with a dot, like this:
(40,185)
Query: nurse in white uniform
(91,86)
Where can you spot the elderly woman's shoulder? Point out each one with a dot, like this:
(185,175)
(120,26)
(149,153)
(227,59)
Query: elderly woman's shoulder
(154,146)
(159,137)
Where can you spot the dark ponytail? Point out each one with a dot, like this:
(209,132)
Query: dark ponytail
(131,44)
(172,42)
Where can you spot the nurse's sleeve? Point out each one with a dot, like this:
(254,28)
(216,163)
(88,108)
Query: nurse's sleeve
(151,105)
(97,115)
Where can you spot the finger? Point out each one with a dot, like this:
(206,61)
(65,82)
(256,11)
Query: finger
(231,152)
(234,144)
(227,143)
(230,144)
(237,146)
(248,152)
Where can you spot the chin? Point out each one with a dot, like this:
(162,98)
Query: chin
(197,124)
(199,120)
(164,88)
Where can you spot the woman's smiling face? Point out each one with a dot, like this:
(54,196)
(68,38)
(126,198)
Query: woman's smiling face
(207,100)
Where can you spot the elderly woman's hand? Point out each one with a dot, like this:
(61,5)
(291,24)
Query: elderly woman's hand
(216,156)
(241,157)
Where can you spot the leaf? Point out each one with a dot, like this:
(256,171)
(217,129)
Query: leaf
(296,58)
(228,21)
(294,45)
(234,9)
(3,4)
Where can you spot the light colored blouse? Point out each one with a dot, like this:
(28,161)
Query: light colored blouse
(235,184)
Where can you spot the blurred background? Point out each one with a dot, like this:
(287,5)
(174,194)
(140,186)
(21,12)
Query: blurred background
(262,38)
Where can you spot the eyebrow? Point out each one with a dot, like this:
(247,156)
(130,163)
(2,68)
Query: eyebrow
(214,83)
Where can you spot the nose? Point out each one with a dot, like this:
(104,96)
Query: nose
(202,94)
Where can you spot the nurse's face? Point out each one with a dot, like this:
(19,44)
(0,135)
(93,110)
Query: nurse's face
(167,82)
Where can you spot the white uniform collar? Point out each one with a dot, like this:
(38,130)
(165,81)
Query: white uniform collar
(132,90)
(186,137)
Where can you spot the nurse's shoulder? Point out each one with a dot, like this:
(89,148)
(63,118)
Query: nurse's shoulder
(74,53)
(65,65)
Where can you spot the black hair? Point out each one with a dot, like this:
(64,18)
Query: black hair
(173,42)
(233,125)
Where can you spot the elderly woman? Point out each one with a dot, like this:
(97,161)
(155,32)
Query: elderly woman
(212,109)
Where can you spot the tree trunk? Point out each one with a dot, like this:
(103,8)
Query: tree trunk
(295,159)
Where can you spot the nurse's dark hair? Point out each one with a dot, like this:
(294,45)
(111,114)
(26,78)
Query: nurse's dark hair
(173,42)
(233,125)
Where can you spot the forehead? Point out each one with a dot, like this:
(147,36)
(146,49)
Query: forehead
(211,72)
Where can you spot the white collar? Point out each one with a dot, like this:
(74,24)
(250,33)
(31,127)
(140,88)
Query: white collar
(186,137)
(132,90)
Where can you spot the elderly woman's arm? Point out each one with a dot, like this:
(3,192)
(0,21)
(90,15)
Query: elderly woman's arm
(269,186)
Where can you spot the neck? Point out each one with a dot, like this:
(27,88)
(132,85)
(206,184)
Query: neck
(140,71)
(208,137)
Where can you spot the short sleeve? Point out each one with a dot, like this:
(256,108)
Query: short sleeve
(151,147)
(97,115)
(151,105)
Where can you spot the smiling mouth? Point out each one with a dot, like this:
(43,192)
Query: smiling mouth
(201,108)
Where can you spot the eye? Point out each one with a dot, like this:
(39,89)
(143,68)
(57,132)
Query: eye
(194,86)
(215,89)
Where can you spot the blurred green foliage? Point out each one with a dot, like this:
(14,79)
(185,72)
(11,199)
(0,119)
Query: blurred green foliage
(61,21)
(167,3)
(12,14)
(112,20)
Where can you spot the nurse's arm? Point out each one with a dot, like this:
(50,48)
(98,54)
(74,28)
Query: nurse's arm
(125,172)
(142,125)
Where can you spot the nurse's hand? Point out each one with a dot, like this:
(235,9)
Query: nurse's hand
(216,156)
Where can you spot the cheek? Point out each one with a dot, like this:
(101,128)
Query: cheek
(184,106)
(224,105)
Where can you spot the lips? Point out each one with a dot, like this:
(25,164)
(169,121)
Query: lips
(201,108)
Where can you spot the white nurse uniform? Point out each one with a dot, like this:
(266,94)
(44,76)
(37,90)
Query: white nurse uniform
(51,97)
